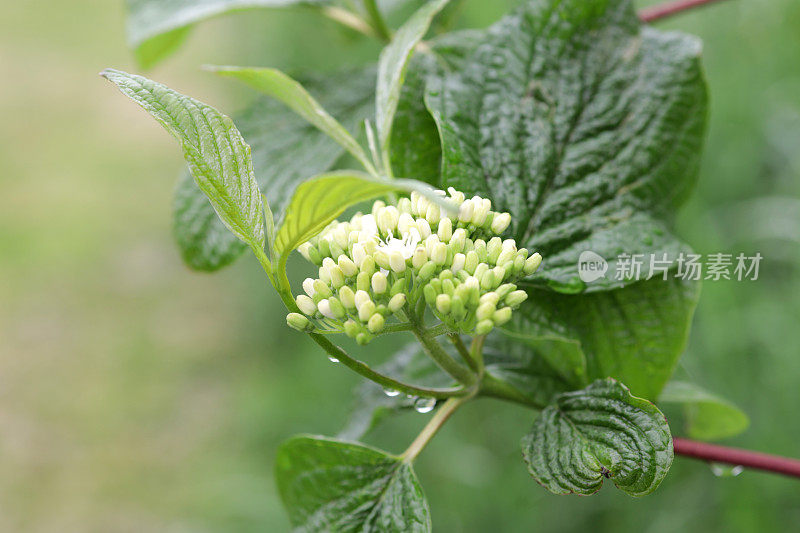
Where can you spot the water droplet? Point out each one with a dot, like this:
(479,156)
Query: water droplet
(391,393)
(332,359)
(424,405)
(724,470)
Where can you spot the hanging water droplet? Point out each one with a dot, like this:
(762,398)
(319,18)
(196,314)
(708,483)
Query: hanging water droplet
(424,405)
(391,393)
(332,359)
(724,470)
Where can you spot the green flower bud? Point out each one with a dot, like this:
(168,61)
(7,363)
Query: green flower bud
(491,297)
(419,257)
(376,323)
(430,295)
(501,316)
(351,328)
(397,302)
(448,287)
(494,247)
(336,250)
(397,262)
(458,240)
(457,308)
(363,281)
(347,266)
(482,269)
(501,222)
(347,297)
(484,327)
(480,249)
(443,304)
(445,230)
(366,311)
(379,283)
(363,338)
(426,272)
(382,259)
(488,280)
(398,287)
(472,261)
(303,249)
(324,248)
(382,309)
(314,256)
(306,305)
(439,253)
(485,310)
(459,260)
(504,290)
(367,265)
(516,298)
(337,309)
(337,276)
(506,256)
(519,262)
(446,274)
(298,321)
(499,274)
(532,264)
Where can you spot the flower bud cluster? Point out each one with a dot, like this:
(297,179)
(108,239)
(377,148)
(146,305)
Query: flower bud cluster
(400,258)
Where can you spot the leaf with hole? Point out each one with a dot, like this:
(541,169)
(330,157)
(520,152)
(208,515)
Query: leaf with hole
(600,432)
(332,485)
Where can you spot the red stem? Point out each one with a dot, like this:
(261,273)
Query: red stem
(670,8)
(736,456)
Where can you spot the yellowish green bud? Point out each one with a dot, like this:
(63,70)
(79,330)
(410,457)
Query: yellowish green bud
(484,327)
(351,328)
(366,311)
(382,259)
(443,304)
(379,283)
(347,266)
(396,262)
(459,260)
(397,302)
(501,222)
(439,253)
(445,230)
(532,264)
(501,316)
(363,281)
(363,338)
(485,310)
(376,323)
(430,294)
(321,288)
(298,321)
(419,258)
(516,298)
(433,214)
(361,297)
(488,280)
(427,270)
(347,297)
(493,248)
(458,240)
(424,228)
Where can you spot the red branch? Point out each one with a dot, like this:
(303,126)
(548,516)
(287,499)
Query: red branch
(736,456)
(670,8)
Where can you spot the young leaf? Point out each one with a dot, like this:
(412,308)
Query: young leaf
(217,155)
(599,432)
(317,202)
(331,485)
(583,125)
(635,334)
(708,417)
(278,85)
(157,27)
(286,151)
(392,68)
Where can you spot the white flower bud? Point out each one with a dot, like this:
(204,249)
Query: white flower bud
(376,323)
(532,263)
(306,305)
(433,214)
(303,249)
(404,205)
(382,259)
(466,211)
(516,298)
(485,310)
(424,228)
(459,260)
(506,256)
(419,258)
(366,311)
(439,253)
(501,316)
(340,236)
(482,208)
(358,253)
(405,223)
(308,286)
(377,206)
(397,302)
(501,222)
(361,298)
(457,196)
(379,282)
(325,308)
(458,240)
(346,265)
(490,297)
(445,230)
(396,262)
(337,276)
(387,219)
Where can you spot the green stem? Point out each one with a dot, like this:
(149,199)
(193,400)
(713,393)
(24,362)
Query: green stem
(455,338)
(442,358)
(430,429)
(476,352)
(378,24)
(492,387)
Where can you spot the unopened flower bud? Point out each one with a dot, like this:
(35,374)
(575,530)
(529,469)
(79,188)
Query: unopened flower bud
(304,251)
(493,249)
(366,311)
(472,261)
(457,196)
(443,304)
(484,327)
(308,286)
(347,297)
(457,309)
(363,338)
(485,310)
(367,265)
(324,307)
(424,228)
(337,276)
(398,287)
(459,260)
(405,223)
(501,316)
(501,222)
(480,249)
(488,280)
(347,266)
(430,294)
(297,321)
(427,271)
(361,297)
(321,289)
(404,205)
(439,253)
(351,328)
(516,298)
(499,273)
(445,230)
(358,253)
(482,208)
(506,256)
(363,281)
(382,259)
(379,283)
(504,290)
(376,323)
(433,214)
(396,262)
(490,297)
(397,302)
(324,248)
(466,211)
(481,269)
(419,258)
(532,264)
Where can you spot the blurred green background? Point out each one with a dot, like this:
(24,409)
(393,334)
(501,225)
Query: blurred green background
(138,396)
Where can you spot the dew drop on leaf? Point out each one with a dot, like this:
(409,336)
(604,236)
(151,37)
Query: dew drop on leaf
(424,405)
(391,393)
(333,359)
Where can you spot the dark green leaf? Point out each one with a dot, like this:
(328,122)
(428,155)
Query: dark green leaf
(330,485)
(286,151)
(599,432)
(218,157)
(582,124)
(708,417)
(157,27)
(635,334)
